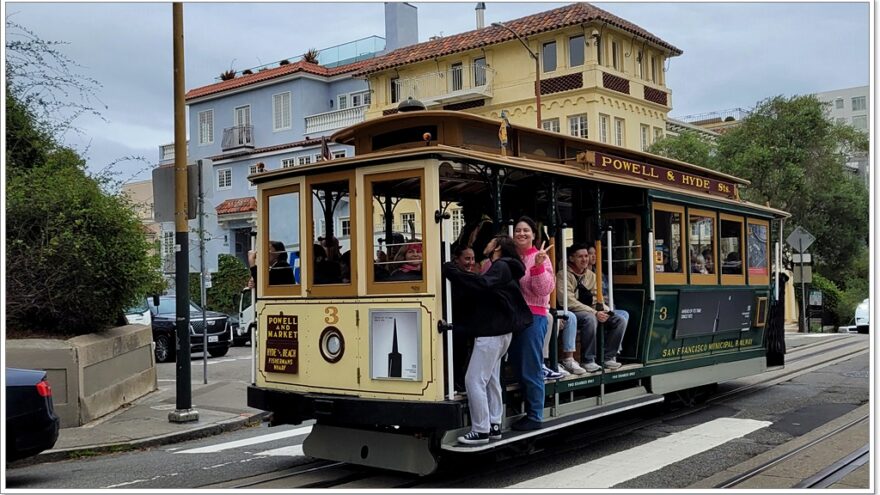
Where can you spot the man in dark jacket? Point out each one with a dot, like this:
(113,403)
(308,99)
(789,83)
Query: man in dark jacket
(501,311)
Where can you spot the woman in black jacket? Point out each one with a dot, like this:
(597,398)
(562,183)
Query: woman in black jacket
(500,311)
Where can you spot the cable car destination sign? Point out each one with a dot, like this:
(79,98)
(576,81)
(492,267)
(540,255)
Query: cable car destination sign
(658,175)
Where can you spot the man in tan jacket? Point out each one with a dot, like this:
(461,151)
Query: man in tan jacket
(581,298)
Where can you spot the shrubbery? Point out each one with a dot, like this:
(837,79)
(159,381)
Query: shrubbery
(831,297)
(76,256)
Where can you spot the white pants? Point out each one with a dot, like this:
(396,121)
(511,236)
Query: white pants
(483,381)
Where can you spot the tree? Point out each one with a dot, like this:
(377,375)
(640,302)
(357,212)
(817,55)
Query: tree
(76,255)
(794,157)
(688,147)
(231,276)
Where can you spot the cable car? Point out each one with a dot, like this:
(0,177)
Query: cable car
(360,340)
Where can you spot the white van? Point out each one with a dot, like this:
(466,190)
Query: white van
(241,333)
(863,316)
(139,314)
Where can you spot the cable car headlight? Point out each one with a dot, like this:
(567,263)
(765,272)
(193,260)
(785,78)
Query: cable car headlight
(331,344)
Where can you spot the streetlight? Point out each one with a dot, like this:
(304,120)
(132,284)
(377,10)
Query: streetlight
(534,55)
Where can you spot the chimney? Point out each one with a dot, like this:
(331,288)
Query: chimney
(481,8)
(401,25)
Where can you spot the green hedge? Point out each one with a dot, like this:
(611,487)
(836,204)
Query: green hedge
(76,255)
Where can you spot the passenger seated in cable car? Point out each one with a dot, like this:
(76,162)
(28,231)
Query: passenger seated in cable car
(326,271)
(709,262)
(411,257)
(699,265)
(619,312)
(280,271)
(581,300)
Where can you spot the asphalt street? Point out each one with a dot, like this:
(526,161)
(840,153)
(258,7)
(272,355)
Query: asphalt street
(790,408)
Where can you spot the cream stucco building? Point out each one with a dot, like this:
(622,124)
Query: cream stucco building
(601,76)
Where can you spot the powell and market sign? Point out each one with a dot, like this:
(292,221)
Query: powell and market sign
(658,175)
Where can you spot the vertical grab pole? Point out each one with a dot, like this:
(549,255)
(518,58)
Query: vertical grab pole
(653,268)
(610,294)
(447,254)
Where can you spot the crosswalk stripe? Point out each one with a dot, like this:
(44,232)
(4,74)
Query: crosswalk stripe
(293,450)
(628,464)
(248,441)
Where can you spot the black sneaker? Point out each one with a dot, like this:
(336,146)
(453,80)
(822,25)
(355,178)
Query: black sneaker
(474,438)
(526,424)
(495,432)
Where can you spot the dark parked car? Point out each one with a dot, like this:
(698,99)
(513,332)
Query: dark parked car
(165,337)
(31,423)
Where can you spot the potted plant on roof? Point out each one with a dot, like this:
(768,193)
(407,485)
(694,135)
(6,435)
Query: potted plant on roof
(311,56)
(227,75)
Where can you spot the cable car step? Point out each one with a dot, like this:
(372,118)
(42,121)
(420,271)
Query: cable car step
(450,442)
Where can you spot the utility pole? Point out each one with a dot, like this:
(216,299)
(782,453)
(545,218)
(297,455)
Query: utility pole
(184,412)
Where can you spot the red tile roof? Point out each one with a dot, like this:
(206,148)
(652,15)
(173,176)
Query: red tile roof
(237,205)
(265,75)
(570,15)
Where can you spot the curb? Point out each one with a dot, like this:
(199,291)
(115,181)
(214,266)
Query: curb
(168,438)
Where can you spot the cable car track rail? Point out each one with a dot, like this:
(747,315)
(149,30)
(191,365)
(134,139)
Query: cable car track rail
(824,478)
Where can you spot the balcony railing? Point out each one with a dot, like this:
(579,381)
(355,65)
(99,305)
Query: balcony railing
(458,84)
(338,119)
(238,137)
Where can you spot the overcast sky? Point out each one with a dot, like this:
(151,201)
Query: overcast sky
(735,54)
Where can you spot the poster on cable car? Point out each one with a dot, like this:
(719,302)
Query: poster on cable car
(705,313)
(395,344)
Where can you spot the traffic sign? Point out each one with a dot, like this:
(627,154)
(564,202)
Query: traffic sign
(801,258)
(800,239)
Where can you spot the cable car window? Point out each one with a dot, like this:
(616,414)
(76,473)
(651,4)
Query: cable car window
(758,247)
(701,246)
(279,273)
(626,259)
(396,225)
(330,262)
(667,242)
(730,246)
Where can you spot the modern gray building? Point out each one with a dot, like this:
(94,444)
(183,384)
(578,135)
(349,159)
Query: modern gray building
(850,106)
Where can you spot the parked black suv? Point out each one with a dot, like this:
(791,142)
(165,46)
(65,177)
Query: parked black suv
(164,316)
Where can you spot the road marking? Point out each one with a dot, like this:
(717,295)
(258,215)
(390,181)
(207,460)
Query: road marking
(632,463)
(248,441)
(293,450)
(134,482)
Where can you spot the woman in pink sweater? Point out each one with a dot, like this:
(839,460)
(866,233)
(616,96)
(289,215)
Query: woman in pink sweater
(526,349)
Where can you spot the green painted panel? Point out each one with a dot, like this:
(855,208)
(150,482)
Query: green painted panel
(663,346)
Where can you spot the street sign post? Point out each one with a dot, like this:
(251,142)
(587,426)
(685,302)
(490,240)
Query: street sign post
(800,240)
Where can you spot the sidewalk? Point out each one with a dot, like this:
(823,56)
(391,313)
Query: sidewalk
(144,423)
